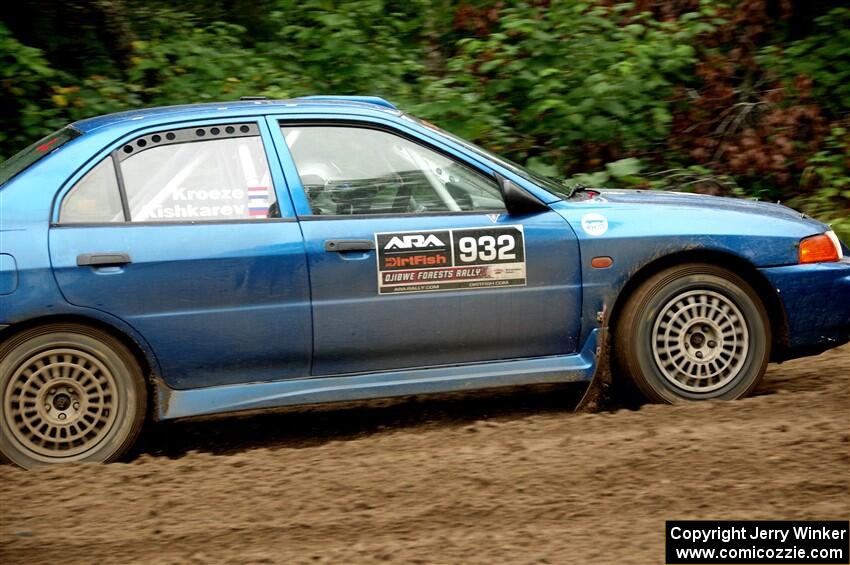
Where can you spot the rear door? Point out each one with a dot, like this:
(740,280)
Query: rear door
(414,262)
(181,234)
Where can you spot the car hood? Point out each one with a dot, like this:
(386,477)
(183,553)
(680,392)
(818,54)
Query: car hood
(689,200)
(631,221)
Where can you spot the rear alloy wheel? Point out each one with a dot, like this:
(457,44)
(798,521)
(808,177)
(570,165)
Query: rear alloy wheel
(693,332)
(68,393)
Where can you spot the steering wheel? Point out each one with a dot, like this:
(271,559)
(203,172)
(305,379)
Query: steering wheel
(321,203)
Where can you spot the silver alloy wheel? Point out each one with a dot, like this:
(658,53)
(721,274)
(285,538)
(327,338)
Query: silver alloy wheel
(60,403)
(700,341)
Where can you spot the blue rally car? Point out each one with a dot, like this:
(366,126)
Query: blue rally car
(202,259)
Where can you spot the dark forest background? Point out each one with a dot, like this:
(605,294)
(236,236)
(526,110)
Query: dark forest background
(745,98)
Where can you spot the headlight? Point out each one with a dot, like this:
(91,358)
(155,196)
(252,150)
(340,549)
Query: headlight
(821,248)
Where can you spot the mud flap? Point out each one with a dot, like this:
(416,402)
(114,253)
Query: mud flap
(597,397)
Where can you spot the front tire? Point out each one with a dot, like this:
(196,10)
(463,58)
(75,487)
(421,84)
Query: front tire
(693,332)
(68,392)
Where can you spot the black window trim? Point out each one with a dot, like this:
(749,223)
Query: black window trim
(321,217)
(163,224)
(320,122)
(122,191)
(183,134)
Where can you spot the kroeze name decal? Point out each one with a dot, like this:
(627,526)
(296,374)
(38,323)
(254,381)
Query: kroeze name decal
(457,259)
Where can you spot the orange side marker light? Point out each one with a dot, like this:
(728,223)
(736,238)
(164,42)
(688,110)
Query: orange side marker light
(820,249)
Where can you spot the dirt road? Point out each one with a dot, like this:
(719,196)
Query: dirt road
(487,478)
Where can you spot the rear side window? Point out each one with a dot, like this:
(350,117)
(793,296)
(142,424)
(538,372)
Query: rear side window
(19,162)
(95,198)
(195,174)
(219,179)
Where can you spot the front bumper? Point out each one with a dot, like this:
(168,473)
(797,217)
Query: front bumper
(816,299)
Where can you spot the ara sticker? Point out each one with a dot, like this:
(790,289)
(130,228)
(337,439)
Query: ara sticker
(456,259)
(594,224)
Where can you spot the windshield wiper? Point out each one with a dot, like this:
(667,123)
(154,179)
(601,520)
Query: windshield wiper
(573,188)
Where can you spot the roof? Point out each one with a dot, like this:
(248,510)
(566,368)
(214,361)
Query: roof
(241,107)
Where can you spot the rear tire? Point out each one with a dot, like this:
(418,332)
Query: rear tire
(68,392)
(693,332)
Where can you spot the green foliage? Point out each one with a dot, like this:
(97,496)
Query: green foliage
(823,58)
(697,96)
(24,79)
(553,79)
(357,46)
(181,61)
(827,177)
(625,173)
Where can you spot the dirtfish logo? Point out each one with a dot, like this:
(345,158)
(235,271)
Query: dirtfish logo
(415,241)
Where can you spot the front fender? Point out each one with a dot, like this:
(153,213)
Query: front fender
(636,235)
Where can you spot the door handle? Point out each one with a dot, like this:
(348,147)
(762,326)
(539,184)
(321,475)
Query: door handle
(102,259)
(344,245)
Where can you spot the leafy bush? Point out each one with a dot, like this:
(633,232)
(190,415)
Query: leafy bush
(827,180)
(817,66)
(24,82)
(564,84)
(693,95)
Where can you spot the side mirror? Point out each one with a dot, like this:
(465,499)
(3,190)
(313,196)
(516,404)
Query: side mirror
(517,201)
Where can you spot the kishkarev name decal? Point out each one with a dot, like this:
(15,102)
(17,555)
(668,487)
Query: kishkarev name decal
(456,259)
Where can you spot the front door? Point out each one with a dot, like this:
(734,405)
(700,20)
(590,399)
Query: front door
(414,262)
(180,234)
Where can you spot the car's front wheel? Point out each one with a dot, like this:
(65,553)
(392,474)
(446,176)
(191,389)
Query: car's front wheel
(69,393)
(693,332)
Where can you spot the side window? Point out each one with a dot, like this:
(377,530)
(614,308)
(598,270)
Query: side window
(95,198)
(178,176)
(351,170)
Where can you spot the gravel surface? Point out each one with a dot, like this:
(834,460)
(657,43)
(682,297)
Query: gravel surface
(507,476)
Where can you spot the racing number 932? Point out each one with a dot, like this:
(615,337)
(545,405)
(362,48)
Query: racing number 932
(482,246)
(457,259)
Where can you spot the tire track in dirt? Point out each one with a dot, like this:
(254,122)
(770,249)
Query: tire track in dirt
(495,477)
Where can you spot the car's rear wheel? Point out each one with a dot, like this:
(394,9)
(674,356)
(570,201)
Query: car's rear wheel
(69,393)
(693,332)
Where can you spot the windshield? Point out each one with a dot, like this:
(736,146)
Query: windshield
(22,160)
(548,183)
